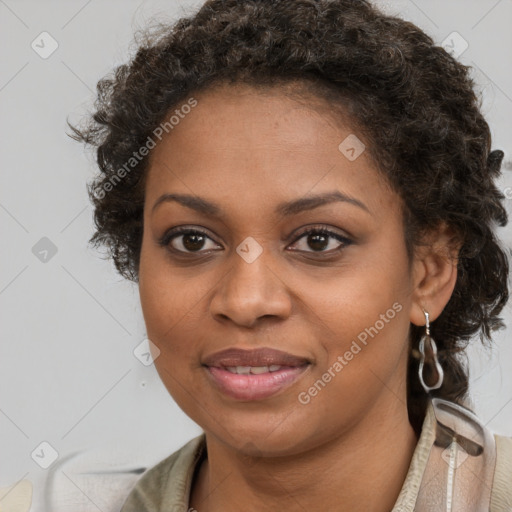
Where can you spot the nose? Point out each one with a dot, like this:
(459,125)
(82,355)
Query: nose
(249,292)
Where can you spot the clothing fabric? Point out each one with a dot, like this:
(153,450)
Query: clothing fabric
(166,487)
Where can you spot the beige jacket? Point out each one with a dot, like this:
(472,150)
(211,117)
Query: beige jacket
(166,487)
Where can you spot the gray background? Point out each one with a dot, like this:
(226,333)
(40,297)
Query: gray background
(70,323)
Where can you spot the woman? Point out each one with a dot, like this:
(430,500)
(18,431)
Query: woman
(304,192)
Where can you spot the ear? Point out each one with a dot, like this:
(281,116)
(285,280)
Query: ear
(434,273)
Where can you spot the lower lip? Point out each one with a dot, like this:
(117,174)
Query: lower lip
(254,387)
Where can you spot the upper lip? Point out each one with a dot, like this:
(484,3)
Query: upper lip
(255,357)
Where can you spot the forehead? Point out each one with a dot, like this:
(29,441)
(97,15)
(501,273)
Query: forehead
(239,141)
(233,117)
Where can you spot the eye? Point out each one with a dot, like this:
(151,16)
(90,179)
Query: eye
(192,240)
(188,240)
(321,240)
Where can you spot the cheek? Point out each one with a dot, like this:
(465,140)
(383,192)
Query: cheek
(164,300)
(354,298)
(363,362)
(362,316)
(175,313)
(167,297)
(365,329)
(168,310)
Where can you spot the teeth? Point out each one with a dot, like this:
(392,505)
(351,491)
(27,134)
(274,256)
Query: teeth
(254,370)
(259,369)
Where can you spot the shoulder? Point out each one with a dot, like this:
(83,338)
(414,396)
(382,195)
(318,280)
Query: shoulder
(167,484)
(501,497)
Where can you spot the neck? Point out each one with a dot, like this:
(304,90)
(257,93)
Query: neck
(361,470)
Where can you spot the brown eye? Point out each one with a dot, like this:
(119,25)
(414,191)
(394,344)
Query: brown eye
(188,241)
(321,241)
(192,241)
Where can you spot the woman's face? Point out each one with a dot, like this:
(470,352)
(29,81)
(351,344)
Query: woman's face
(249,171)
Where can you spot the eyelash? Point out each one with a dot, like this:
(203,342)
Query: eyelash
(168,237)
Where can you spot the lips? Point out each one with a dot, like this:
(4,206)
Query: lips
(259,357)
(253,374)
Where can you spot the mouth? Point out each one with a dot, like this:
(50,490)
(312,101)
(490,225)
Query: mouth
(249,375)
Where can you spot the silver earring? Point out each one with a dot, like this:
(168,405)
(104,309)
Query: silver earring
(431,344)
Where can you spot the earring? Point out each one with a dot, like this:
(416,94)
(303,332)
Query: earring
(426,340)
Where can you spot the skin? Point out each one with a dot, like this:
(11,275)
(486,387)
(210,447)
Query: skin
(247,151)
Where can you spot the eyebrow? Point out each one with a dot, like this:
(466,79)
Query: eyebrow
(285,209)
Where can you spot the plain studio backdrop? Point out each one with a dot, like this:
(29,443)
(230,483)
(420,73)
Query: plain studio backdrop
(74,395)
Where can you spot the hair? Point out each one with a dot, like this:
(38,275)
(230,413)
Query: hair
(412,102)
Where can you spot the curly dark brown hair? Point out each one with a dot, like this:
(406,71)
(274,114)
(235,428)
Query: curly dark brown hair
(411,101)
